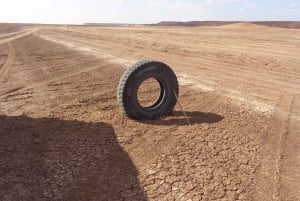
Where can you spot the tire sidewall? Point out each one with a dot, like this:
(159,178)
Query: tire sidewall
(168,81)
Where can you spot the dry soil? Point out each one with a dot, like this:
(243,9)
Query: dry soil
(63,137)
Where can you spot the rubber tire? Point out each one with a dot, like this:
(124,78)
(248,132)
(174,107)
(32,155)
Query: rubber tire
(134,77)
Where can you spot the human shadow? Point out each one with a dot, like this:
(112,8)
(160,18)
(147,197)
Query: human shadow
(53,159)
(179,118)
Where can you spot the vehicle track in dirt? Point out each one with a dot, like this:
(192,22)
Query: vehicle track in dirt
(268,187)
(279,173)
(289,176)
(8,35)
(4,71)
(5,38)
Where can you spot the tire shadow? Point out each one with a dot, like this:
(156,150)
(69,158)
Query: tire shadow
(178,118)
(52,159)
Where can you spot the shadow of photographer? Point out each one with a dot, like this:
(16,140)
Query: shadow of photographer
(52,159)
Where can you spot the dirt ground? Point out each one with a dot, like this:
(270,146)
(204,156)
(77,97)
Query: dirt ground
(63,137)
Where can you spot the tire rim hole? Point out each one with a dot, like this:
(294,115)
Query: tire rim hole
(149,93)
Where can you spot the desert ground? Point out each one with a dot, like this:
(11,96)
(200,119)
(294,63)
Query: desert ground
(63,136)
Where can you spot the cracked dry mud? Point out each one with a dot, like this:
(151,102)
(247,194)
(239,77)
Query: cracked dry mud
(63,137)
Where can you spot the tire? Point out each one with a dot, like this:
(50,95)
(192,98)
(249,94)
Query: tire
(134,77)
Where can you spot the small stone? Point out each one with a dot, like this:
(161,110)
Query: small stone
(241,197)
(219,192)
(225,137)
(189,186)
(151,172)
(159,165)
(174,188)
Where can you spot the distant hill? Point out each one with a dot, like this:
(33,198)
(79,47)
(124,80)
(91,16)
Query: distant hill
(281,24)
(107,24)
(242,25)
(193,23)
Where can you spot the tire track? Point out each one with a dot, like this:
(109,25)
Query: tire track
(4,72)
(17,36)
(268,177)
(290,163)
(56,78)
(11,34)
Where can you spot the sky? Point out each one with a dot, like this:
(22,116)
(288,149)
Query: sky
(145,11)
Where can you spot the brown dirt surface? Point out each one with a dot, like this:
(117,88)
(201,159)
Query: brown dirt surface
(9,28)
(63,137)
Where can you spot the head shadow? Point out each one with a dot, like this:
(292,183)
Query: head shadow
(64,160)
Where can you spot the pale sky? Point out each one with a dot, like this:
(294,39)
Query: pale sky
(145,11)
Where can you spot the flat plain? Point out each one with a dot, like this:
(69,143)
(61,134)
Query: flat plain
(63,136)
